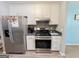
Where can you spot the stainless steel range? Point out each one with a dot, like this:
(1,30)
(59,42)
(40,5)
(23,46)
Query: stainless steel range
(43,40)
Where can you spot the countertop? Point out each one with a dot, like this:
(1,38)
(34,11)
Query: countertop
(56,33)
(53,33)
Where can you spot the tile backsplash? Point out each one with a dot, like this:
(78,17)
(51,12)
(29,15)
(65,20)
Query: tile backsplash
(42,24)
(46,25)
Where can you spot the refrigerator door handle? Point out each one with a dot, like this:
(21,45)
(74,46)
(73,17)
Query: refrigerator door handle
(10,32)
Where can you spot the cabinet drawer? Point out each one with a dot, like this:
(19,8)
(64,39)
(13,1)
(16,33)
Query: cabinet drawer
(56,37)
(58,40)
(30,37)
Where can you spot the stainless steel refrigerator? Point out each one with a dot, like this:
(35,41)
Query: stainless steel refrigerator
(14,34)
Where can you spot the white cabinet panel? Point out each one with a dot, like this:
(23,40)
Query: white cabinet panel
(55,43)
(54,14)
(42,10)
(30,42)
(38,10)
(46,10)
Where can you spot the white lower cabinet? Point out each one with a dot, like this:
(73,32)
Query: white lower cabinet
(30,42)
(55,43)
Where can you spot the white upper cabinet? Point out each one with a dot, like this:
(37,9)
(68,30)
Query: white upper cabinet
(31,14)
(30,42)
(36,10)
(48,10)
(42,10)
(54,14)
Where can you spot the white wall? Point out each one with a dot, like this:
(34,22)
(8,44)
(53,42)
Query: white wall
(3,8)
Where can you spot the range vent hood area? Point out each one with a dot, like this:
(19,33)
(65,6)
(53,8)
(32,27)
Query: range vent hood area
(42,19)
(42,22)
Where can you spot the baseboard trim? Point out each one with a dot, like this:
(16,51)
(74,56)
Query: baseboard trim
(72,44)
(62,54)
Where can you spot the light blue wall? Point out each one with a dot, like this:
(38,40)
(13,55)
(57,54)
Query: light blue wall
(72,29)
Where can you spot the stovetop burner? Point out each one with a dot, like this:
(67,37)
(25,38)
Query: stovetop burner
(42,33)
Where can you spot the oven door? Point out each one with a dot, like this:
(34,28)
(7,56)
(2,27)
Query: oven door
(43,44)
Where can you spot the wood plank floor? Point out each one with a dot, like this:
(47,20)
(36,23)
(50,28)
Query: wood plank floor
(71,52)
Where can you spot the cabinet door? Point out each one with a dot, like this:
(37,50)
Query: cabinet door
(42,10)
(38,10)
(55,44)
(31,14)
(30,42)
(46,10)
(54,15)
